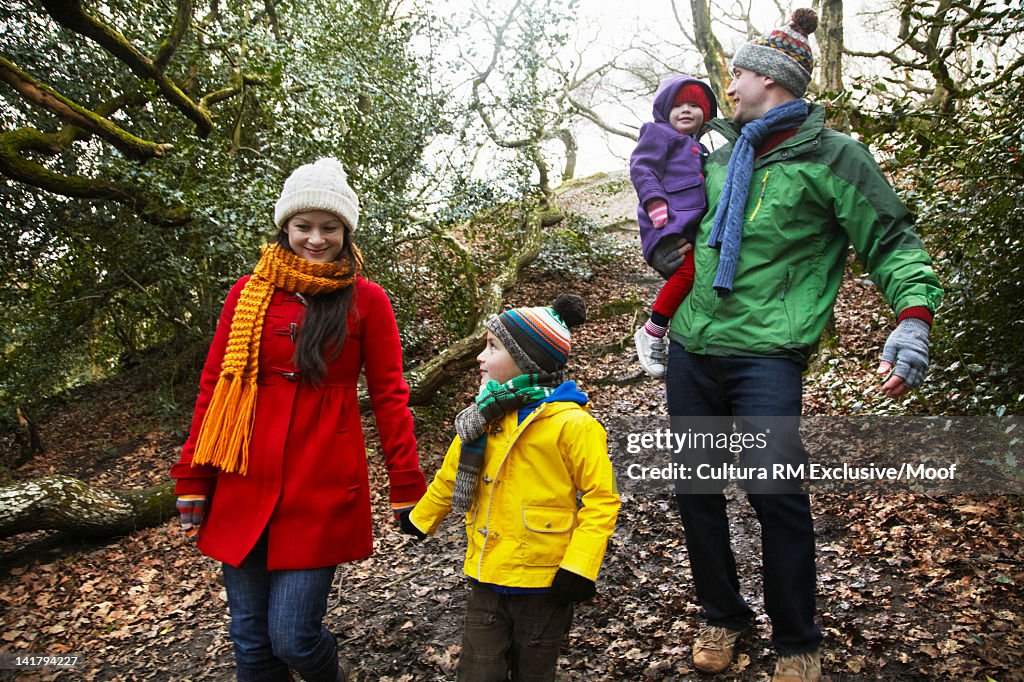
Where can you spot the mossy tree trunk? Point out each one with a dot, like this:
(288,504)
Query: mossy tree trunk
(72,506)
(452,362)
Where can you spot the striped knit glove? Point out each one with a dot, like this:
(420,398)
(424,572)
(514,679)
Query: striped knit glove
(191,509)
(399,508)
(658,211)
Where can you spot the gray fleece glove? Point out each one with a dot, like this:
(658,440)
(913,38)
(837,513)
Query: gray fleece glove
(907,349)
(666,257)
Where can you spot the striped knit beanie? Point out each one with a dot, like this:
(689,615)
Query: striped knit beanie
(538,338)
(320,186)
(784,54)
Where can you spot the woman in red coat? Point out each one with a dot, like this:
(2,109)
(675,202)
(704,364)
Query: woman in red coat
(273,479)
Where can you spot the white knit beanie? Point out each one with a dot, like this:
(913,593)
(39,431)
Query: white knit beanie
(320,186)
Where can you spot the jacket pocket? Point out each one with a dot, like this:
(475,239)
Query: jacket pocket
(546,534)
(683,183)
(687,195)
(787,305)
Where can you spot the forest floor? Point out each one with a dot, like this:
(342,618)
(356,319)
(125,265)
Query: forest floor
(911,586)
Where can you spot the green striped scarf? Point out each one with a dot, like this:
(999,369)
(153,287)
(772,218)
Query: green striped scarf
(494,401)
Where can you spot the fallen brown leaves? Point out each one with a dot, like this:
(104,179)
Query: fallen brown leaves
(910,587)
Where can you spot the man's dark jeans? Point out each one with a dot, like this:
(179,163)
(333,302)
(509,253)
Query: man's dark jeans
(517,633)
(708,386)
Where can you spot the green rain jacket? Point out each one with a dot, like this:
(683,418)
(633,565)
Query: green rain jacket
(810,197)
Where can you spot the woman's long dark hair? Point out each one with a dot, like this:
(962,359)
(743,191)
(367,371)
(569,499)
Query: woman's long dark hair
(325,326)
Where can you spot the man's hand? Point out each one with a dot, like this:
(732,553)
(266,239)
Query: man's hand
(907,348)
(191,509)
(668,255)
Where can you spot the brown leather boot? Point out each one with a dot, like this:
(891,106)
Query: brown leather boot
(799,668)
(713,648)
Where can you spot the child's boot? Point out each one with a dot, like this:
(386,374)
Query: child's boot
(652,352)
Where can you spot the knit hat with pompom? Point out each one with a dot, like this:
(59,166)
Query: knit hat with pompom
(538,338)
(784,54)
(320,186)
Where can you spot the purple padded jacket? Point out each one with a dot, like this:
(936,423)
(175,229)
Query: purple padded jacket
(668,165)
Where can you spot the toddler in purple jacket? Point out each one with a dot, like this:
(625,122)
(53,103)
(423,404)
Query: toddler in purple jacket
(667,170)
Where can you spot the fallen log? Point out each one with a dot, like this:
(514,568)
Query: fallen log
(66,504)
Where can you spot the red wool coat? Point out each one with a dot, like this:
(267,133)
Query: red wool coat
(307,483)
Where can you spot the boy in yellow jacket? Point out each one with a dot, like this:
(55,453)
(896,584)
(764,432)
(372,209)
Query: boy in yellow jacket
(525,450)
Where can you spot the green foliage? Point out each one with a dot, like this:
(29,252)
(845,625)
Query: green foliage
(954,152)
(89,285)
(575,247)
(963,176)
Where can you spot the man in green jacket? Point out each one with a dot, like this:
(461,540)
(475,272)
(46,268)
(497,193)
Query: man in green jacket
(788,197)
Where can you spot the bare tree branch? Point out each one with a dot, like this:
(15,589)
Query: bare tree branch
(241,82)
(890,55)
(593,116)
(182,21)
(1010,70)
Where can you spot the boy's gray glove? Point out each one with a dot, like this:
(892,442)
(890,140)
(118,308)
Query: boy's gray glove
(907,348)
(668,255)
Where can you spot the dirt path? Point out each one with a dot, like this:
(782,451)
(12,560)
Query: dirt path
(910,587)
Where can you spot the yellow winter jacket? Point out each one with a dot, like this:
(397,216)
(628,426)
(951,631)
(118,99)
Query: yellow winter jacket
(525,522)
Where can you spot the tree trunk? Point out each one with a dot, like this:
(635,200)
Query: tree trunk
(429,377)
(67,504)
(714,56)
(27,436)
(571,150)
(830,59)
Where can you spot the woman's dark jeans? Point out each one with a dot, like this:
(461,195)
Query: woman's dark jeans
(277,618)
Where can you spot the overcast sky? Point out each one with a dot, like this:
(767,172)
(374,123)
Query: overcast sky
(603,28)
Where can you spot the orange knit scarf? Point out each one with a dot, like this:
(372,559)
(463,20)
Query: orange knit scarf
(227,426)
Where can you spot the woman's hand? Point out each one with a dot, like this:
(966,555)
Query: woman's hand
(191,509)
